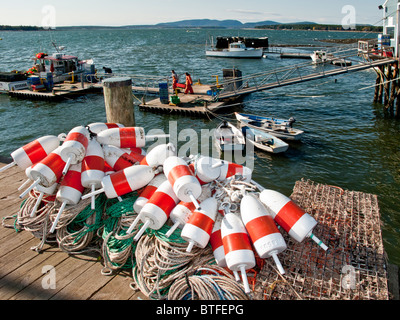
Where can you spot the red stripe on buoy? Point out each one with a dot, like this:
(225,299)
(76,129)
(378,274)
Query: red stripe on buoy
(127,137)
(233,169)
(188,205)
(34,151)
(164,201)
(73,179)
(177,172)
(111,125)
(236,241)
(124,162)
(216,239)
(76,136)
(120,183)
(201,221)
(93,163)
(289,215)
(148,192)
(143,162)
(260,227)
(55,163)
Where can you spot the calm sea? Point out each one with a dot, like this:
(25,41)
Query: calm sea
(349,141)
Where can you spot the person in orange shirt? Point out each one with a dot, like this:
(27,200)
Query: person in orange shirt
(175,80)
(189,83)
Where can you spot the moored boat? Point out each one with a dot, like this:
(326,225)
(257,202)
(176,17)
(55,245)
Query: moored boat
(264,140)
(228,137)
(235,50)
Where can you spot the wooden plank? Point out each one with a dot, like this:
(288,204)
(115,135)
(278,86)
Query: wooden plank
(116,289)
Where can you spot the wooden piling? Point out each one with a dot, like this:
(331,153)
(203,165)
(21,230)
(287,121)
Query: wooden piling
(118,100)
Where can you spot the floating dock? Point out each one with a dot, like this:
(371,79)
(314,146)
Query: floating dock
(349,223)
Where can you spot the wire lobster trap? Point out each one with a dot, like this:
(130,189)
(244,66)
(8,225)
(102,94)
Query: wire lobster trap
(354,267)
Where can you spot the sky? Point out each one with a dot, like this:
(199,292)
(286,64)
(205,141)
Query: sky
(141,12)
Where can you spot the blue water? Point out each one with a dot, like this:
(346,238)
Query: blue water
(349,142)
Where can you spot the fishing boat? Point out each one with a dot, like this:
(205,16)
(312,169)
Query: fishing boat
(264,140)
(235,50)
(280,128)
(228,137)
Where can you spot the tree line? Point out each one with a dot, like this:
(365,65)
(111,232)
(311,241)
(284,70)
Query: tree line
(321,27)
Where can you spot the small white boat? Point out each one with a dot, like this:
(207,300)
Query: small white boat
(279,128)
(235,50)
(320,56)
(264,141)
(228,137)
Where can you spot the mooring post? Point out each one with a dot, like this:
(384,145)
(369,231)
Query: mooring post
(388,77)
(118,100)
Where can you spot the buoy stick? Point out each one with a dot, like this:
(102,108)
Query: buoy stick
(8,166)
(53,227)
(245,280)
(142,230)
(278,263)
(120,199)
(236,274)
(24,184)
(23,194)
(154,137)
(318,241)
(95,193)
(217,165)
(173,228)
(67,165)
(38,201)
(134,223)
(194,200)
(93,197)
(190,246)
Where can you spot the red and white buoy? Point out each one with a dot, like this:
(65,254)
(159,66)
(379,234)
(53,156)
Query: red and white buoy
(120,159)
(185,184)
(93,168)
(263,232)
(156,211)
(239,254)
(148,191)
(50,191)
(123,182)
(230,169)
(74,147)
(197,230)
(33,152)
(216,242)
(183,210)
(98,127)
(206,169)
(293,219)
(46,172)
(158,155)
(127,137)
(70,191)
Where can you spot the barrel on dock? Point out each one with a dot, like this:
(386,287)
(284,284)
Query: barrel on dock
(118,100)
(164,94)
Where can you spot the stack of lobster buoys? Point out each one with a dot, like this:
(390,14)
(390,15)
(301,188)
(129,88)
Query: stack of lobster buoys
(205,202)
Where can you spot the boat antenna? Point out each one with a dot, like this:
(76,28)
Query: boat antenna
(55,46)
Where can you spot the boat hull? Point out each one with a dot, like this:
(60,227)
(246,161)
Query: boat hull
(264,141)
(247,54)
(229,138)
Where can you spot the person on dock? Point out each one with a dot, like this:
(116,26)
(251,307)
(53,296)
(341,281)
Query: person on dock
(189,83)
(175,79)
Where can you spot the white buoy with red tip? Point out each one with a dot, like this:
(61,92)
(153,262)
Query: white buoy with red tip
(120,159)
(74,147)
(230,169)
(127,137)
(46,172)
(216,242)
(239,254)
(70,191)
(98,127)
(123,182)
(148,191)
(43,191)
(156,211)
(207,169)
(93,168)
(186,186)
(293,219)
(33,152)
(183,210)
(197,230)
(263,232)
(158,155)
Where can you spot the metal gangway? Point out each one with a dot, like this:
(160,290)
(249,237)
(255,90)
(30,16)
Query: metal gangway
(300,73)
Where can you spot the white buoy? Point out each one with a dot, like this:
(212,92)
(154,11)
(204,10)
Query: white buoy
(197,230)
(158,155)
(156,211)
(263,232)
(123,182)
(148,191)
(293,219)
(74,147)
(70,191)
(230,169)
(239,254)
(206,169)
(98,127)
(93,168)
(185,184)
(33,152)
(120,159)
(216,242)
